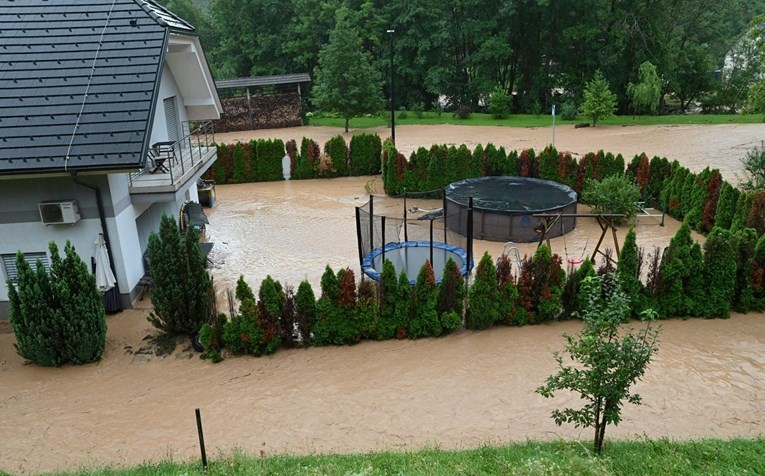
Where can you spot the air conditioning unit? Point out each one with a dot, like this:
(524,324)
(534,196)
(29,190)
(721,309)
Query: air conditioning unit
(59,212)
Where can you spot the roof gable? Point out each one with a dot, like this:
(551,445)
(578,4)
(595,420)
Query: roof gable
(78,81)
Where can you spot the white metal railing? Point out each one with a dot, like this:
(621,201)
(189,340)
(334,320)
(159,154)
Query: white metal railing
(176,158)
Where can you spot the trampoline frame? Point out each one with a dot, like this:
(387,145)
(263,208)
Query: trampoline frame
(495,224)
(367,263)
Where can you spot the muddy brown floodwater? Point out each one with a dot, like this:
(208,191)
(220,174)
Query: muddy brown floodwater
(460,391)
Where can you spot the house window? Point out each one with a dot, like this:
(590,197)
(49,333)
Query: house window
(171,118)
(9,264)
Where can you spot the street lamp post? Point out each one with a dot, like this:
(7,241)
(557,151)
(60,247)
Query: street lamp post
(392,99)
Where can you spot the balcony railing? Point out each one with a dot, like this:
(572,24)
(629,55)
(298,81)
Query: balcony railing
(172,163)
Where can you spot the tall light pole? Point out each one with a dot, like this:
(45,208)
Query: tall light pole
(392,100)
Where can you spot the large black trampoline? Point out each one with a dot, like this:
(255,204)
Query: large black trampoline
(503,207)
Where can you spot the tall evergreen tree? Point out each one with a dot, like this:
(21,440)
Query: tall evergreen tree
(346,80)
(599,102)
(182,298)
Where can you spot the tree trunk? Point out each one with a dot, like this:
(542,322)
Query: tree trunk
(347,119)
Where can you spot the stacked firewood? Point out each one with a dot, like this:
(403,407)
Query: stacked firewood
(268,111)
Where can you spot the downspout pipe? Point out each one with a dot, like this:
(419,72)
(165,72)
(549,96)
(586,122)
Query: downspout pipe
(104,230)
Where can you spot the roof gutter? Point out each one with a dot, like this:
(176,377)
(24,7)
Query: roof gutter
(104,230)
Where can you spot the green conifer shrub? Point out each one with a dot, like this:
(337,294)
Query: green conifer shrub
(744,243)
(573,300)
(425,322)
(242,334)
(270,303)
(219,173)
(756,217)
(183,298)
(451,291)
(677,264)
(507,293)
(387,325)
(719,274)
(743,205)
(726,206)
(327,309)
(57,317)
(404,305)
(239,172)
(548,163)
(367,309)
(709,206)
(337,150)
(365,152)
(483,308)
(305,310)
(629,273)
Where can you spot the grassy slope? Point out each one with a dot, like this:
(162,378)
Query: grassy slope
(529,120)
(708,457)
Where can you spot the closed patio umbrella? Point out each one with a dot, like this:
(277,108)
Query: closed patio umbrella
(104,277)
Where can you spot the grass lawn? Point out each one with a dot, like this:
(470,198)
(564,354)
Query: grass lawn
(643,457)
(530,120)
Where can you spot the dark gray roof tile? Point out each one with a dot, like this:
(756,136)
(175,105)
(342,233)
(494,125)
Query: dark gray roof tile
(47,51)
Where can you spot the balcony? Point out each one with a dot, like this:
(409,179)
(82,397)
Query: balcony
(172,165)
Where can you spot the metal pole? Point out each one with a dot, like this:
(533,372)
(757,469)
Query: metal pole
(358,238)
(382,263)
(371,222)
(392,98)
(553,115)
(431,243)
(406,230)
(201,438)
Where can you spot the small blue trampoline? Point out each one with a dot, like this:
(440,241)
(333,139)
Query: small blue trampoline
(409,242)
(410,256)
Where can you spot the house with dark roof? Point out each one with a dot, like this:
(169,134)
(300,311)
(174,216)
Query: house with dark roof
(105,125)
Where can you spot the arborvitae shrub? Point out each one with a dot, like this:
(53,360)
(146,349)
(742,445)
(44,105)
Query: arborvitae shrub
(243,334)
(346,330)
(483,305)
(239,173)
(337,151)
(478,162)
(270,301)
(437,167)
(455,168)
(709,206)
(211,338)
(268,163)
(451,292)
(726,206)
(719,274)
(365,152)
(387,324)
(425,322)
(674,274)
(549,279)
(675,198)
(507,293)
(744,243)
(57,317)
(182,299)
(305,311)
(391,181)
(741,214)
(327,309)
(417,178)
(758,273)
(643,173)
(404,305)
(573,300)
(548,163)
(756,218)
(291,148)
(661,171)
(511,161)
(495,164)
(474,165)
(627,270)
(219,167)
(367,309)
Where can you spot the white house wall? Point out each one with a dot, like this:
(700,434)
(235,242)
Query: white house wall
(167,89)
(22,229)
